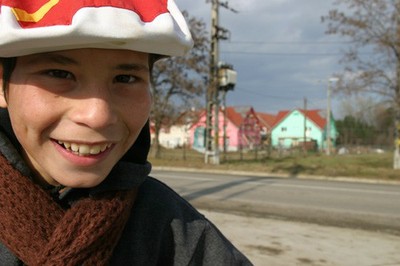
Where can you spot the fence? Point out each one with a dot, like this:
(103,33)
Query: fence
(263,153)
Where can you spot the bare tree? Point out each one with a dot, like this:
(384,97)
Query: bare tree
(365,109)
(179,82)
(372,62)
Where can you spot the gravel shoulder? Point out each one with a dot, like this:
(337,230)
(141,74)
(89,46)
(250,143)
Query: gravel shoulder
(280,243)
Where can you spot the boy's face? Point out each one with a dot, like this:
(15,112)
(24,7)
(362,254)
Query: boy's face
(77,112)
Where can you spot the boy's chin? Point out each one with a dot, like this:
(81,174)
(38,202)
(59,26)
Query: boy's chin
(83,182)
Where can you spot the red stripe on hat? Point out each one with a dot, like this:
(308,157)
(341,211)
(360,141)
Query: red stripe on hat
(61,12)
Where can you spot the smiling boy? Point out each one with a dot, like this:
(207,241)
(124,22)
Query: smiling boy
(72,111)
(74,138)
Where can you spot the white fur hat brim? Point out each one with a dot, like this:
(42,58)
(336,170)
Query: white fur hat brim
(107,27)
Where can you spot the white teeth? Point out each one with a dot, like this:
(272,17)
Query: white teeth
(95,150)
(74,147)
(84,149)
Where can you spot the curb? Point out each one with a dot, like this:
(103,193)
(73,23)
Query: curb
(279,175)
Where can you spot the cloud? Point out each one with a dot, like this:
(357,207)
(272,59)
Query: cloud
(279,49)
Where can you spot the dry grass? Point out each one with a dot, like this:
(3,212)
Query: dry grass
(373,166)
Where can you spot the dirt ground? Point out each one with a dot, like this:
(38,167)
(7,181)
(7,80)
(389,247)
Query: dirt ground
(282,243)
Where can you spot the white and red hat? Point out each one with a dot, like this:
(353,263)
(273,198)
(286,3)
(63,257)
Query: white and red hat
(36,26)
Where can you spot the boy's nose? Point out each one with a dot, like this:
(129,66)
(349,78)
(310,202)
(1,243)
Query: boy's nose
(95,112)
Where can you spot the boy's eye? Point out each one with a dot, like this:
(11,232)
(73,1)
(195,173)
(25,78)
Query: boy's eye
(125,79)
(62,74)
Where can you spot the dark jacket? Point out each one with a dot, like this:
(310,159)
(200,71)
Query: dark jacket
(163,228)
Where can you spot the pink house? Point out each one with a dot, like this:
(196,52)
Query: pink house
(244,129)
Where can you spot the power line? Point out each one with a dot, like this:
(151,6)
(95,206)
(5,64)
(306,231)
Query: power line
(285,98)
(289,54)
(290,43)
(266,95)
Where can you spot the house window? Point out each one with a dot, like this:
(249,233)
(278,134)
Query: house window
(283,129)
(308,131)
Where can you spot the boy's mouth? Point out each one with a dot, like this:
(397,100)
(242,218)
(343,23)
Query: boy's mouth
(84,149)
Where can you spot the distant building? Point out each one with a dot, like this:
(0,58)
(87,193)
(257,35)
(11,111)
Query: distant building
(267,121)
(246,129)
(175,134)
(243,129)
(293,128)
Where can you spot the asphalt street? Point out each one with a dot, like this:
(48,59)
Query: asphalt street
(307,221)
(372,205)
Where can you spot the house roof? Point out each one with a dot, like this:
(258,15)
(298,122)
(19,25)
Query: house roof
(235,115)
(280,116)
(266,119)
(313,115)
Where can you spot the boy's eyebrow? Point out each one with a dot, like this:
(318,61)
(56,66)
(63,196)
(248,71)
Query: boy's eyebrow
(133,66)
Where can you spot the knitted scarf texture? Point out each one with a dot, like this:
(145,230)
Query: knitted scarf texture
(37,230)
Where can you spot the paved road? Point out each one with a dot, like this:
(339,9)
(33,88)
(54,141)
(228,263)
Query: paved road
(344,204)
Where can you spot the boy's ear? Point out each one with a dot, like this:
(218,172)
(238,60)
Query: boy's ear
(3,101)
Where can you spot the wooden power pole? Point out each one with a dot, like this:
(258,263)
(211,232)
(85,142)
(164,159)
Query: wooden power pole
(212,96)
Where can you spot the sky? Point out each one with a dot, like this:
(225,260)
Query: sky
(280,52)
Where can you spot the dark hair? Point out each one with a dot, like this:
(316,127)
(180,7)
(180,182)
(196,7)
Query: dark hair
(8,65)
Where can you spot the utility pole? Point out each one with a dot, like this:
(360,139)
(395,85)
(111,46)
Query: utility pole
(328,120)
(396,156)
(305,127)
(328,116)
(212,96)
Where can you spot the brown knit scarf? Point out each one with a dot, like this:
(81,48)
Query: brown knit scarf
(40,232)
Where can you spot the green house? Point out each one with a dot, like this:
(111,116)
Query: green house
(292,128)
